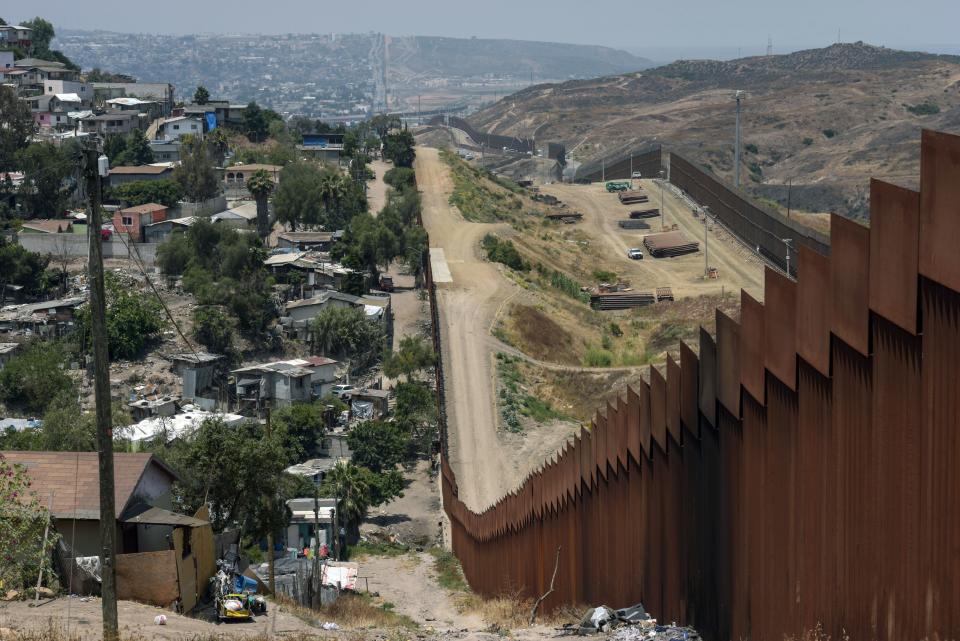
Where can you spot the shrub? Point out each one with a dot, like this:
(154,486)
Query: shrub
(604,276)
(924,109)
(504,252)
(752,148)
(400,178)
(33,379)
(213,329)
(598,357)
(829,133)
(807,142)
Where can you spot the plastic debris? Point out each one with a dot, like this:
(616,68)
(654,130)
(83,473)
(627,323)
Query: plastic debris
(160,619)
(329,625)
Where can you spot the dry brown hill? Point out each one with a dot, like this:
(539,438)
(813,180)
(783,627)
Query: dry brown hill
(825,119)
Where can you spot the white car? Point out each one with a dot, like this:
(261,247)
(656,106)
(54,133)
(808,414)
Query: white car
(343,391)
(634,254)
(636,174)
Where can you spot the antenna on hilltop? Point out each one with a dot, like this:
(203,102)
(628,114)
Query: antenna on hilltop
(769,46)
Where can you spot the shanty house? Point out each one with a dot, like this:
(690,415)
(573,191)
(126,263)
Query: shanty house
(163,558)
(200,372)
(281,383)
(8,351)
(306,240)
(310,519)
(121,175)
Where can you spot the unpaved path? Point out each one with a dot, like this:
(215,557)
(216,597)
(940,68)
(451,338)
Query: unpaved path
(467,308)
(409,582)
(376,188)
(601,210)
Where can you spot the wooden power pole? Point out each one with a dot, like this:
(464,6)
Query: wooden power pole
(101,388)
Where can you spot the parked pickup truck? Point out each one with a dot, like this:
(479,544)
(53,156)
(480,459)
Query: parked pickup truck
(634,253)
(386,283)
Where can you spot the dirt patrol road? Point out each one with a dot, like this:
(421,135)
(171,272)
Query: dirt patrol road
(468,305)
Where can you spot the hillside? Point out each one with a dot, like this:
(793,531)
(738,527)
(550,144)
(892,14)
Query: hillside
(825,119)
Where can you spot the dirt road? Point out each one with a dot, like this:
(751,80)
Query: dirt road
(468,305)
(684,274)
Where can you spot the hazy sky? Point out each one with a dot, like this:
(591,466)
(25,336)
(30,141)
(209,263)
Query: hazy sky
(619,23)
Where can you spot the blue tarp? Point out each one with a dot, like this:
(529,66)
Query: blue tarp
(211,121)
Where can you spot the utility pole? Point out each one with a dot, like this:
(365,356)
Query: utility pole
(736,150)
(631,170)
(706,243)
(101,388)
(662,210)
(266,499)
(789,194)
(603,170)
(786,242)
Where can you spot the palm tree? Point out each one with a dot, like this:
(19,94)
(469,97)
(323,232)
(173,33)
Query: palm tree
(217,139)
(345,481)
(260,185)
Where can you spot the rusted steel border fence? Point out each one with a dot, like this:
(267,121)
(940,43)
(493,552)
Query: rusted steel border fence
(758,228)
(801,470)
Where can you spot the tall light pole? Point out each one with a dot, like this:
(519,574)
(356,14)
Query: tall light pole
(662,210)
(603,170)
(786,242)
(631,170)
(736,150)
(706,243)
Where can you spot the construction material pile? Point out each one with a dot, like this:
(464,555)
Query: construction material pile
(633,224)
(621,300)
(629,624)
(669,244)
(645,213)
(632,197)
(664,293)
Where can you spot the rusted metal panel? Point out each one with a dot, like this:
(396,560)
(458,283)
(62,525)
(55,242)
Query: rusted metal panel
(728,363)
(622,432)
(940,208)
(646,429)
(894,253)
(752,318)
(633,425)
(689,397)
(780,344)
(658,408)
(674,424)
(814,304)
(600,446)
(708,377)
(849,282)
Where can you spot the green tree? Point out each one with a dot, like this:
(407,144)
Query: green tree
(400,178)
(346,332)
(31,380)
(260,185)
(195,174)
(231,469)
(17,127)
(66,428)
(133,320)
(218,144)
(414,355)
(201,96)
(213,329)
(24,550)
(41,38)
(416,414)
(140,192)
(399,148)
(377,445)
(255,125)
(44,189)
(299,198)
(19,266)
(349,485)
(303,424)
(136,151)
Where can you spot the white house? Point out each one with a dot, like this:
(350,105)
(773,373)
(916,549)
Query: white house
(175,128)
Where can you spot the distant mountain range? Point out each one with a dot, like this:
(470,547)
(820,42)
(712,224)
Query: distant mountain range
(825,120)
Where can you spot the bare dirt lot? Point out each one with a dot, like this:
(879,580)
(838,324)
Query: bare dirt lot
(738,267)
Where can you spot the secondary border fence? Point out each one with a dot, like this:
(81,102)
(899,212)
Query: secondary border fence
(491,141)
(799,469)
(649,163)
(758,228)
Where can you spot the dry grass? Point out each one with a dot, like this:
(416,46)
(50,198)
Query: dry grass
(353,612)
(59,634)
(512,611)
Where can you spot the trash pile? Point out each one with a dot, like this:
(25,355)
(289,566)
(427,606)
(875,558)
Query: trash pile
(629,624)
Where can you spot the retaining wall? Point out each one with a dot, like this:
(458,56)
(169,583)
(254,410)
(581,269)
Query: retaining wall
(76,245)
(799,469)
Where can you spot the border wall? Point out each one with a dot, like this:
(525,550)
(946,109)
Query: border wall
(491,141)
(648,163)
(757,227)
(798,469)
